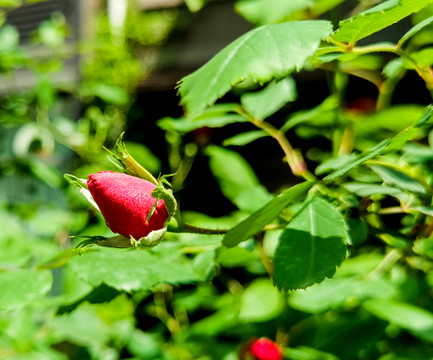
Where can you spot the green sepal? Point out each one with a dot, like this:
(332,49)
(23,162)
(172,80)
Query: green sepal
(149,241)
(71,179)
(84,189)
(127,163)
(117,241)
(163,193)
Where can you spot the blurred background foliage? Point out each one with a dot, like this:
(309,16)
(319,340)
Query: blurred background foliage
(52,123)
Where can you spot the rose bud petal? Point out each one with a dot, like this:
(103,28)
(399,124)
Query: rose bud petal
(125,202)
(263,349)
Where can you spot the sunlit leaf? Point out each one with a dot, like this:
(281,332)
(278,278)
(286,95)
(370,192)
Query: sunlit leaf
(263,12)
(377,18)
(311,246)
(394,177)
(130,270)
(20,287)
(265,53)
(418,27)
(245,138)
(416,320)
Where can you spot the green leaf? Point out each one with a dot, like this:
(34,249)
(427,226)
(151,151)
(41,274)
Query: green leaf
(311,247)
(260,302)
(395,143)
(20,287)
(363,189)
(131,270)
(245,138)
(410,317)
(233,174)
(394,177)
(418,27)
(377,18)
(263,216)
(183,125)
(264,103)
(358,160)
(265,53)
(307,353)
(263,12)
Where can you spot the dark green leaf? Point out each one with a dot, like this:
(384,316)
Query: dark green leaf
(265,53)
(311,247)
(256,221)
(377,18)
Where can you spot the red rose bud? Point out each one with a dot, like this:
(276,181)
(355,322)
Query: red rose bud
(125,202)
(264,349)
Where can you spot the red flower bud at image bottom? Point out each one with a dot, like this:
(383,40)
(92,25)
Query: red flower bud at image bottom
(125,202)
(262,349)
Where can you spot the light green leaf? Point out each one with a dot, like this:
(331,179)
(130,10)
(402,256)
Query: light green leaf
(394,177)
(263,216)
(377,18)
(260,301)
(131,270)
(364,189)
(410,317)
(263,12)
(264,103)
(418,27)
(307,353)
(358,160)
(184,125)
(20,287)
(311,246)
(265,53)
(395,143)
(245,138)
(329,294)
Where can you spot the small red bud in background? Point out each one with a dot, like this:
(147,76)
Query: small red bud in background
(125,202)
(261,349)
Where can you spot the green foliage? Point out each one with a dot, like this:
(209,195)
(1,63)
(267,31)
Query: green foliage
(311,247)
(375,19)
(257,55)
(322,239)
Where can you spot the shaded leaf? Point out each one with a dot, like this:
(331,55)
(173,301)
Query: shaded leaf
(265,53)
(263,216)
(264,103)
(311,246)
